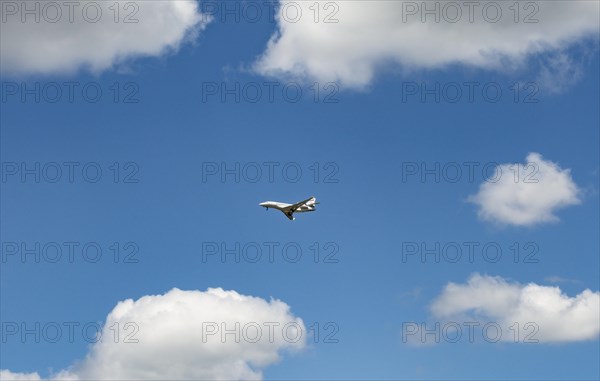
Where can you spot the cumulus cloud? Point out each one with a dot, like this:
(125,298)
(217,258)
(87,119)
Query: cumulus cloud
(62,37)
(526,194)
(556,317)
(212,335)
(369,34)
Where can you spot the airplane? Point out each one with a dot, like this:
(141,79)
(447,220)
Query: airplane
(307,205)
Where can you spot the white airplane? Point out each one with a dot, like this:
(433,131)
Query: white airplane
(289,209)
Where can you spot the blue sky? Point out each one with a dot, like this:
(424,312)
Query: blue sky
(169,207)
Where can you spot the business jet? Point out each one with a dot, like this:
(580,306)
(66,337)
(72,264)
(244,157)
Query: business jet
(307,205)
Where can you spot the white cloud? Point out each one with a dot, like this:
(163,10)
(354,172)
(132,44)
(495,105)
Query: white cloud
(67,38)
(558,72)
(559,279)
(370,34)
(8,375)
(559,317)
(526,194)
(176,340)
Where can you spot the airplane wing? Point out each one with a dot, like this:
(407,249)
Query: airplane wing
(289,210)
(299,204)
(289,214)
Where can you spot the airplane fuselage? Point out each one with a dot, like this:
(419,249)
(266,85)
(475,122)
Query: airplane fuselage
(274,205)
(282,206)
(307,205)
